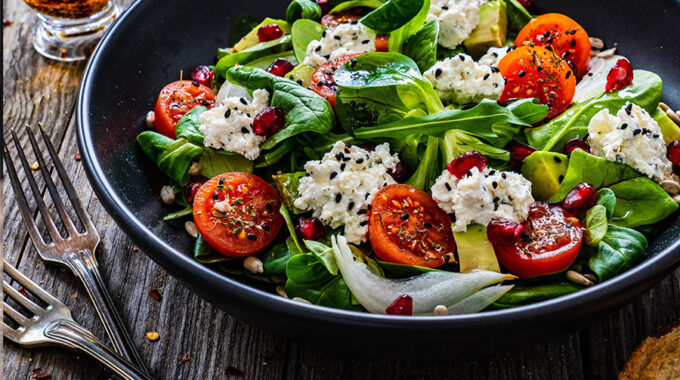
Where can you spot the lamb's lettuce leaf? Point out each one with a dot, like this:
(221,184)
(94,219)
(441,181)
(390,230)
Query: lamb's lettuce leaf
(429,167)
(595,225)
(456,142)
(393,14)
(172,157)
(305,111)
(187,126)
(214,163)
(645,91)
(607,198)
(618,251)
(305,31)
(303,9)
(639,200)
(422,46)
(275,259)
(323,253)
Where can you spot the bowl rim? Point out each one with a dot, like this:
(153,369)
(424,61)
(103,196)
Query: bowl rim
(580,304)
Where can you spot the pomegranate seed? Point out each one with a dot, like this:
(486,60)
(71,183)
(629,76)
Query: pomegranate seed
(575,143)
(466,161)
(518,152)
(325,6)
(191,187)
(582,197)
(269,121)
(310,228)
(369,147)
(620,76)
(269,32)
(203,75)
(673,155)
(280,67)
(526,4)
(403,305)
(503,231)
(399,173)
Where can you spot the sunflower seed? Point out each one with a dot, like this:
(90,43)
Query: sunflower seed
(191,229)
(578,278)
(167,195)
(607,53)
(596,43)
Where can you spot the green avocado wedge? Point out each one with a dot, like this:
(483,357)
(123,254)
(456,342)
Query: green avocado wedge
(546,171)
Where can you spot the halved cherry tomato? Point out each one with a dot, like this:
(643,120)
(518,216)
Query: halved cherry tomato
(407,226)
(565,36)
(549,243)
(322,81)
(246,223)
(176,99)
(535,72)
(332,20)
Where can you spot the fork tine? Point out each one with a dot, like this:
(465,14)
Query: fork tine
(10,333)
(15,315)
(26,213)
(36,192)
(28,284)
(21,299)
(68,186)
(56,199)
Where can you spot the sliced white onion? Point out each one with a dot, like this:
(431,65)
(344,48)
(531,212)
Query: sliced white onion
(427,290)
(593,85)
(229,89)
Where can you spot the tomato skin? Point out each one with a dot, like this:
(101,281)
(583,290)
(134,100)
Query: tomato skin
(395,237)
(251,224)
(565,36)
(175,100)
(535,72)
(546,246)
(322,81)
(332,20)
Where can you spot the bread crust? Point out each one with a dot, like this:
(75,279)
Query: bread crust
(657,357)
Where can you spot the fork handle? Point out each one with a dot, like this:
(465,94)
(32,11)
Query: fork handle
(74,335)
(84,265)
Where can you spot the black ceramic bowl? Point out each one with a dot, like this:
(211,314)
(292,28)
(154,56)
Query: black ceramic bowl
(155,39)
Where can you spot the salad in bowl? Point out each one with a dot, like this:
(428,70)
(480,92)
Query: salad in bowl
(417,157)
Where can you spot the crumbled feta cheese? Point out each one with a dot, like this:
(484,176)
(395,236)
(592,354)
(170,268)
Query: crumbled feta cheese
(344,39)
(459,79)
(479,197)
(228,126)
(339,188)
(493,55)
(457,19)
(631,137)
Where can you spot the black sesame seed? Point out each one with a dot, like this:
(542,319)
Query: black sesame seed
(252,237)
(403,216)
(568,75)
(453,218)
(468,173)
(496,199)
(522,73)
(299,81)
(336,37)
(291,77)
(492,172)
(248,115)
(557,159)
(216,196)
(343,166)
(444,7)
(205,103)
(365,222)
(352,63)
(365,42)
(244,130)
(221,181)
(265,227)
(334,174)
(494,54)
(629,108)
(317,49)
(462,57)
(323,34)
(437,73)
(573,43)
(350,206)
(656,135)
(504,176)
(362,211)
(268,206)
(486,76)
(560,179)
(244,101)
(360,160)
(338,197)
(196,84)
(624,125)
(494,184)
(427,225)
(546,34)
(448,187)
(227,114)
(354,22)
(637,132)
(327,56)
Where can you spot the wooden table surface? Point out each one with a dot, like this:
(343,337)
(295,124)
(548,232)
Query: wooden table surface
(216,345)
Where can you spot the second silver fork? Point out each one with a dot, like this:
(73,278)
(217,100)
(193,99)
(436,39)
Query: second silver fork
(75,251)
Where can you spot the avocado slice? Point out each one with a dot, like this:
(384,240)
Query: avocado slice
(546,171)
(475,250)
(669,129)
(287,186)
(491,31)
(302,73)
(251,38)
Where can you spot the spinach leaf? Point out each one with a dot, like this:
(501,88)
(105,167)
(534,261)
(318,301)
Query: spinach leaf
(214,163)
(404,271)
(618,251)
(252,53)
(276,259)
(204,254)
(422,46)
(293,245)
(172,157)
(307,270)
(595,225)
(639,200)
(187,126)
(518,16)
(381,87)
(397,37)
(305,31)
(607,198)
(241,26)
(645,91)
(333,293)
(393,15)
(305,110)
(323,253)
(476,121)
(303,9)
(348,5)
(429,167)
(526,294)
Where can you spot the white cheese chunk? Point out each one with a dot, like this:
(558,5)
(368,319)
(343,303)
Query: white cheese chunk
(339,187)
(344,39)
(479,197)
(493,55)
(229,125)
(457,19)
(459,79)
(631,137)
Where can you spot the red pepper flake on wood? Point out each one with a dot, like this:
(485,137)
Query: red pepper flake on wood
(38,373)
(6,23)
(155,294)
(184,358)
(77,157)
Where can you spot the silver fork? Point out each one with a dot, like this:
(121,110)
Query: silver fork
(75,251)
(54,325)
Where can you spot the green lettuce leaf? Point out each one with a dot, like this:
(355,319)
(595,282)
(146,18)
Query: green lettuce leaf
(422,46)
(187,126)
(303,9)
(305,31)
(172,157)
(618,251)
(252,53)
(393,15)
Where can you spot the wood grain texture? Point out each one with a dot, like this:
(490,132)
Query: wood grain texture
(218,346)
